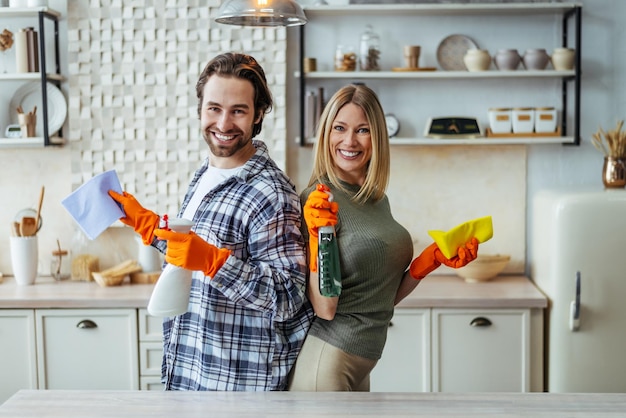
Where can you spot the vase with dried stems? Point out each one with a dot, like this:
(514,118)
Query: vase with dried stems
(613,145)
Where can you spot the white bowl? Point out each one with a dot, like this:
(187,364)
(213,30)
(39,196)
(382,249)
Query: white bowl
(484,268)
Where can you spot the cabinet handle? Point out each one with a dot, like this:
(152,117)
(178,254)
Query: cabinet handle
(86,324)
(480,321)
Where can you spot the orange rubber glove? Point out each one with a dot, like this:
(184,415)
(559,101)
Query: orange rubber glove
(318,211)
(189,251)
(142,220)
(431,258)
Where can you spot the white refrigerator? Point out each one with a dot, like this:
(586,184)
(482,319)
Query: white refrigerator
(578,260)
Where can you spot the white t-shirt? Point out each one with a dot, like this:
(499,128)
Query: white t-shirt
(211,178)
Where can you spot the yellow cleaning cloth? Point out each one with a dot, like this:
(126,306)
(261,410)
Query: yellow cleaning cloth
(450,241)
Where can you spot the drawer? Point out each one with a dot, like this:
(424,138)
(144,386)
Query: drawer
(481,350)
(151,383)
(150,327)
(150,358)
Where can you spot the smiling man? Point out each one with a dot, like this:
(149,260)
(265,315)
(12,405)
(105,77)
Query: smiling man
(248,315)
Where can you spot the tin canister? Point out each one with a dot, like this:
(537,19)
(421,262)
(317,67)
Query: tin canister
(500,120)
(545,119)
(523,120)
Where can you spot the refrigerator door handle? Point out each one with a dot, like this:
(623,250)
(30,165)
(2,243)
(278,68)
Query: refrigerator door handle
(574,308)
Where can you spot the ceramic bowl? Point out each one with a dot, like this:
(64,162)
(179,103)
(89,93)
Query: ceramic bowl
(484,268)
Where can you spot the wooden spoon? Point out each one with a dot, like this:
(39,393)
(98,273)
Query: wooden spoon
(15,229)
(28,226)
(38,216)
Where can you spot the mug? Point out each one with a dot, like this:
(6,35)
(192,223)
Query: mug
(24,259)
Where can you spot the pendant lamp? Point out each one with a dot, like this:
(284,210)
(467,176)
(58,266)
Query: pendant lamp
(261,13)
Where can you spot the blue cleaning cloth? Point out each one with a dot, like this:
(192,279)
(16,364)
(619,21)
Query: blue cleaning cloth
(91,206)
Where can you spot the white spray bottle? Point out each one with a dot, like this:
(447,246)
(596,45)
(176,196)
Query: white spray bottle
(170,296)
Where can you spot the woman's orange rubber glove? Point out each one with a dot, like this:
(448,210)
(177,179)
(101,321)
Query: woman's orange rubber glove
(189,251)
(318,211)
(142,220)
(431,258)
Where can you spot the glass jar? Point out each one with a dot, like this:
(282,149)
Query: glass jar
(60,268)
(345,58)
(369,53)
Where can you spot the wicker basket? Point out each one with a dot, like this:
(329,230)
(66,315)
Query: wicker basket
(116,275)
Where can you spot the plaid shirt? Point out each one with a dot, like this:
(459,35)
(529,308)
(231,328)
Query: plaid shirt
(245,327)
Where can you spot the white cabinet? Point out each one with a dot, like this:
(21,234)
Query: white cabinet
(150,351)
(18,361)
(415,96)
(405,364)
(87,348)
(462,350)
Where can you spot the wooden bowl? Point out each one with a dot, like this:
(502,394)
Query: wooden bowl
(484,268)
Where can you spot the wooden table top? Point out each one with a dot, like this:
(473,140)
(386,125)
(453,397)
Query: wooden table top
(151,404)
(436,291)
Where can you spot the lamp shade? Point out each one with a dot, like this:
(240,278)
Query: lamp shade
(261,13)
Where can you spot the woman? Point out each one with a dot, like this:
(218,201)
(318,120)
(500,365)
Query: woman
(352,162)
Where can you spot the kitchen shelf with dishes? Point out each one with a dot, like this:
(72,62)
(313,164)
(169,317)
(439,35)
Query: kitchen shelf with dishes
(37,87)
(337,20)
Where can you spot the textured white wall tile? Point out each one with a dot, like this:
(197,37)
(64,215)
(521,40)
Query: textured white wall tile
(133,68)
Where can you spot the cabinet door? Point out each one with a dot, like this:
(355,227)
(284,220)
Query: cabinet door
(87,349)
(481,350)
(18,361)
(405,364)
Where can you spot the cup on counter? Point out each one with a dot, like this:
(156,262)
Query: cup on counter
(24,259)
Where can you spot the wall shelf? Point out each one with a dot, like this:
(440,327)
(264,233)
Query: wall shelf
(42,14)
(566,82)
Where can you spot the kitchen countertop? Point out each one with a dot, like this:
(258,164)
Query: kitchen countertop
(156,404)
(48,293)
(440,291)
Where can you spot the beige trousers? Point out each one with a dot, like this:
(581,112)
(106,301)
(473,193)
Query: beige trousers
(322,367)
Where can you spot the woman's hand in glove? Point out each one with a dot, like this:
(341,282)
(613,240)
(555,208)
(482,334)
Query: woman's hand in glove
(465,255)
(319,211)
(189,251)
(431,258)
(142,220)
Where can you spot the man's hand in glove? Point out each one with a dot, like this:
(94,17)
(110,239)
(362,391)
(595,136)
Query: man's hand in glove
(142,220)
(431,258)
(319,211)
(189,251)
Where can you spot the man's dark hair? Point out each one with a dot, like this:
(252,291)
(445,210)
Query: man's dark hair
(240,66)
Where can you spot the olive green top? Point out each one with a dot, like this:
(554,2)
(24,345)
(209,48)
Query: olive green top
(374,252)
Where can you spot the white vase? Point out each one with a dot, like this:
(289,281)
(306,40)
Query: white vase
(477,60)
(563,59)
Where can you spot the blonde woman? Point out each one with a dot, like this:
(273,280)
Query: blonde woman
(352,160)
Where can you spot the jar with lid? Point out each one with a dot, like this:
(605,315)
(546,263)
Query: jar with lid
(59,267)
(370,50)
(345,58)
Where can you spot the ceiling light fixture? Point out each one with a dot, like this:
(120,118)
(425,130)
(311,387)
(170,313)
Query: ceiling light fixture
(261,13)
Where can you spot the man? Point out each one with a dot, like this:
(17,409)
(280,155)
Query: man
(248,314)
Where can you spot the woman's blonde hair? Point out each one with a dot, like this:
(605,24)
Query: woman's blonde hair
(377,176)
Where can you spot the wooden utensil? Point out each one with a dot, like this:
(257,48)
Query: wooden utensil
(28,226)
(37,217)
(15,229)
